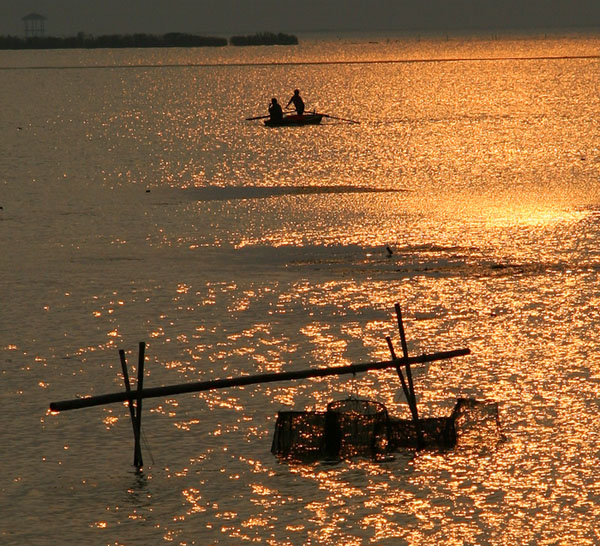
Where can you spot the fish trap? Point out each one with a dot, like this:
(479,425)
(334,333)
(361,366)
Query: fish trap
(362,428)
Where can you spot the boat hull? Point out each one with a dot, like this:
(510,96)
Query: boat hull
(295,120)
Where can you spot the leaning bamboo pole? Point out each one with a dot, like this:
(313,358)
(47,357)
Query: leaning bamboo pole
(411,387)
(156,392)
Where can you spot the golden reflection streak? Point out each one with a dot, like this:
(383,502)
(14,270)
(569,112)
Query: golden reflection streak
(531,214)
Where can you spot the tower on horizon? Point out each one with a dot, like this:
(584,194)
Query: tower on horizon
(34,25)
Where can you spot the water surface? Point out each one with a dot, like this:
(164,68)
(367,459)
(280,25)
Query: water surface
(139,205)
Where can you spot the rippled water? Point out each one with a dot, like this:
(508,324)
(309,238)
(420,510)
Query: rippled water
(139,205)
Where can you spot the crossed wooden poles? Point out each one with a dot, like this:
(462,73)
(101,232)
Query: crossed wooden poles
(134,398)
(135,411)
(409,390)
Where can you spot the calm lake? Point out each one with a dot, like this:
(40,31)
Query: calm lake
(138,204)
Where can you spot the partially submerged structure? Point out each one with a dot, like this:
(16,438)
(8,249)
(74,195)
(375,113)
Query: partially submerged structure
(363,428)
(346,429)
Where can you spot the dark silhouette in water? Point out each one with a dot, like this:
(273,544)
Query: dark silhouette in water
(275,110)
(298,102)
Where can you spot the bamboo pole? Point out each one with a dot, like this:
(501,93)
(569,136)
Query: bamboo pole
(411,387)
(138,406)
(412,405)
(405,350)
(137,450)
(400,374)
(155,392)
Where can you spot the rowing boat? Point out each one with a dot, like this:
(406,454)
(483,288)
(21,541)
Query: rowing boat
(295,119)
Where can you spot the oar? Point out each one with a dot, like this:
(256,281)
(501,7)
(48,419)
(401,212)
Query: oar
(342,119)
(258,117)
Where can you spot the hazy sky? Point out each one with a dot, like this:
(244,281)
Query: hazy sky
(223,17)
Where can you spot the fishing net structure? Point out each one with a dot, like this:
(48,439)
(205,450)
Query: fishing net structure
(477,423)
(362,428)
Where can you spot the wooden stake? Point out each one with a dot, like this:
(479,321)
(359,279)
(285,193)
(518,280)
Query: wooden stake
(400,374)
(137,450)
(411,387)
(138,406)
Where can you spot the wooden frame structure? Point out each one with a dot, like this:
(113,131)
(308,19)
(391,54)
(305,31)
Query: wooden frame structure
(134,397)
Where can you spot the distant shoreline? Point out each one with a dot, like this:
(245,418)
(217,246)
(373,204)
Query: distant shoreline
(264,38)
(172,39)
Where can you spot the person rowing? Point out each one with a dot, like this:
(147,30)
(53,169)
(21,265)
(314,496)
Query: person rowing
(298,102)
(275,110)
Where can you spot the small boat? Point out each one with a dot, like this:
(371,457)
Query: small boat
(295,119)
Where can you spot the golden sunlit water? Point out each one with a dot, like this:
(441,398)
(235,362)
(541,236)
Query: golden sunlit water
(138,204)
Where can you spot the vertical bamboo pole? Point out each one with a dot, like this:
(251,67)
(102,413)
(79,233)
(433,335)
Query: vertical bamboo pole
(137,452)
(411,387)
(138,405)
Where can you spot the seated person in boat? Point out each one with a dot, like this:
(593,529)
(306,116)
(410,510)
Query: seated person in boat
(298,102)
(275,110)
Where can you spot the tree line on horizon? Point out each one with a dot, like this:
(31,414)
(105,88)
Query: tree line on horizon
(171,39)
(264,38)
